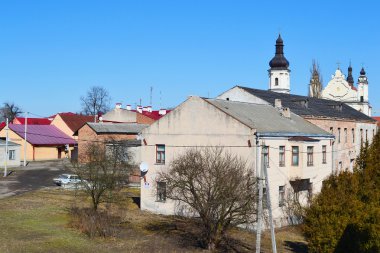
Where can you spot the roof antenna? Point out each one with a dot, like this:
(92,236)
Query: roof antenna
(160,100)
(151,95)
(140,101)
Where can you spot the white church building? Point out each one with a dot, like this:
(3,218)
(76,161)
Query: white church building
(342,89)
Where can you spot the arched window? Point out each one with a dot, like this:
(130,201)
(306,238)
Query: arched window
(276,81)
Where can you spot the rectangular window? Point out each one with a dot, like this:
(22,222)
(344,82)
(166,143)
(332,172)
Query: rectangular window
(353,135)
(295,155)
(161,191)
(281,195)
(345,135)
(340,166)
(282,156)
(366,135)
(12,154)
(361,135)
(331,130)
(266,155)
(310,151)
(324,154)
(160,154)
(338,134)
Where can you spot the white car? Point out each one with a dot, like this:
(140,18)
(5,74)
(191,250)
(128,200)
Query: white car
(66,179)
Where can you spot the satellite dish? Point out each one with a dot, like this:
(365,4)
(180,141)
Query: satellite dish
(143,167)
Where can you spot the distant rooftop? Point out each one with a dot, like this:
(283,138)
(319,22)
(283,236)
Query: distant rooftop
(309,106)
(118,128)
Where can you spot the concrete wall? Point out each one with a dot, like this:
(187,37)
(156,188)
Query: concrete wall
(238,94)
(61,125)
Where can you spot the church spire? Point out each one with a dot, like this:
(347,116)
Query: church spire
(279,73)
(350,79)
(279,61)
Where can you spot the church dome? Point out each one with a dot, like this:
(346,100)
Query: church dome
(362,72)
(279,61)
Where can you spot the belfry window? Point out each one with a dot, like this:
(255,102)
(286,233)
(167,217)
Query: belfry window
(276,81)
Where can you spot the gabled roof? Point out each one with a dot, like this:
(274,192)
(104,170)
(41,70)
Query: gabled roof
(34,121)
(75,121)
(316,107)
(117,128)
(268,120)
(377,118)
(42,134)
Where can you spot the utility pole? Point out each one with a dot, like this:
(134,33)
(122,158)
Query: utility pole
(26,128)
(259,172)
(6,149)
(263,175)
(269,205)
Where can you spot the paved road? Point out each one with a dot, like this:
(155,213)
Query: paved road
(35,175)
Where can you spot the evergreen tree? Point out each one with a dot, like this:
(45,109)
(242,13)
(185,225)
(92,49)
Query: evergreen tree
(345,216)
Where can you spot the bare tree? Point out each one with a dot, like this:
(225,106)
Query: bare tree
(214,185)
(106,170)
(10,111)
(315,86)
(96,100)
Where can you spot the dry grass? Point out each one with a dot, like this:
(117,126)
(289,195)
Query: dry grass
(38,222)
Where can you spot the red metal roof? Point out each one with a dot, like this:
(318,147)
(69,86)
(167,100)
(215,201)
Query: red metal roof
(75,121)
(32,121)
(377,118)
(42,134)
(153,115)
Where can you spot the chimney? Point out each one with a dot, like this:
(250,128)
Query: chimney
(162,112)
(145,109)
(100,119)
(286,112)
(149,107)
(128,107)
(139,108)
(277,103)
(118,105)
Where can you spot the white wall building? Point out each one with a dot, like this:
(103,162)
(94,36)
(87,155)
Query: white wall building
(298,150)
(341,89)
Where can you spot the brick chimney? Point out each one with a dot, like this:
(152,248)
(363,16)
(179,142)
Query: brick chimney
(162,112)
(277,103)
(139,108)
(118,105)
(128,107)
(149,107)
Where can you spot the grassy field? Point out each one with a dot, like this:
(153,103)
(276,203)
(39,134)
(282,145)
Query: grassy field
(39,222)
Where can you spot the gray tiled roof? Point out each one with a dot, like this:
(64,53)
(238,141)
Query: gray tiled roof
(121,128)
(316,107)
(267,119)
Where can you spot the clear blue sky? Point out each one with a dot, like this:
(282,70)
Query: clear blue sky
(51,52)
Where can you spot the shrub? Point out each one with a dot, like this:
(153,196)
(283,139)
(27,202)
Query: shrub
(94,223)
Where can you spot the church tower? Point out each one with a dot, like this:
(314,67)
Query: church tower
(362,87)
(350,78)
(279,72)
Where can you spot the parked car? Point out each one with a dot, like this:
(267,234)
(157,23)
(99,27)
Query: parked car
(65,179)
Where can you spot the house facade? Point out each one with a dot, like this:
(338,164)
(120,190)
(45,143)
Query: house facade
(12,159)
(43,142)
(297,149)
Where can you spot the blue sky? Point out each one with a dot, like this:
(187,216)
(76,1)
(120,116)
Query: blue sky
(51,52)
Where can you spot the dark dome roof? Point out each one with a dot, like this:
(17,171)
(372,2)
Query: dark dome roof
(350,78)
(279,61)
(362,72)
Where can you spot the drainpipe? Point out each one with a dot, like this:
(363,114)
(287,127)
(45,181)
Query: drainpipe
(332,157)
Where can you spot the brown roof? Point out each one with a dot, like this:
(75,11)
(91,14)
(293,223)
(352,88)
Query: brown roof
(75,121)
